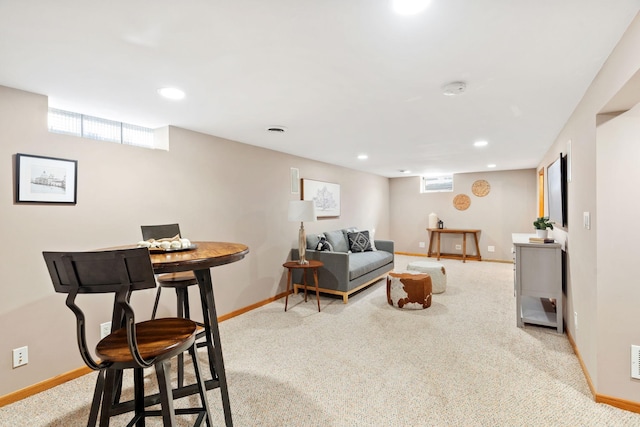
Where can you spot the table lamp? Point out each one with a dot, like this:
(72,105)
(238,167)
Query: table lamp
(302,210)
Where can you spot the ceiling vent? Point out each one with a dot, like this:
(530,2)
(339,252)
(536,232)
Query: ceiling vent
(277,129)
(454,88)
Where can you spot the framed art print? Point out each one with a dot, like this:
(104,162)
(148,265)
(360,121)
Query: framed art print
(42,179)
(326,196)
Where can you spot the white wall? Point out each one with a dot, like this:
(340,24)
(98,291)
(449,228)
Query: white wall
(510,207)
(618,293)
(602,339)
(214,188)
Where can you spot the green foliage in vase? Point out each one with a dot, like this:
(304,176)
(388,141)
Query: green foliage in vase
(542,223)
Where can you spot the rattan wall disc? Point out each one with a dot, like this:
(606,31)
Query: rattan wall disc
(461,202)
(481,188)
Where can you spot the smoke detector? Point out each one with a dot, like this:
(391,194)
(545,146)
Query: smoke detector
(454,88)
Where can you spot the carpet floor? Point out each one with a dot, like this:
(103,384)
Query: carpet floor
(461,362)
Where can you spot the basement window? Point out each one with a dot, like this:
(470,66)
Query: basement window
(70,123)
(436,184)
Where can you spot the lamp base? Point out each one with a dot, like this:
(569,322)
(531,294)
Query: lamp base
(302,245)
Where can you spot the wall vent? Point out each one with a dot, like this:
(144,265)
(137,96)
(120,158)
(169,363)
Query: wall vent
(635,361)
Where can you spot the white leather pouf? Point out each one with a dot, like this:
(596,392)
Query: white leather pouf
(433,269)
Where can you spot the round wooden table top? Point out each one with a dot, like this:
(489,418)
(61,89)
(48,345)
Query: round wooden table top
(206,255)
(312,263)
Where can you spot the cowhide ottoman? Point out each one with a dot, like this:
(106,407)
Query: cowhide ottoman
(409,290)
(433,269)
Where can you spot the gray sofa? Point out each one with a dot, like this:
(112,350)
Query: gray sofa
(345,271)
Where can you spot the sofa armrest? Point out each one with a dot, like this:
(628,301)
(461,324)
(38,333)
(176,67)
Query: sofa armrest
(384,245)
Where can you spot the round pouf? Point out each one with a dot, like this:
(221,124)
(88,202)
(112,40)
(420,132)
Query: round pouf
(409,290)
(435,270)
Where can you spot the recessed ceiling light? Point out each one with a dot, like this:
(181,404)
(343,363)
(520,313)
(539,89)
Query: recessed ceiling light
(276,129)
(409,7)
(362,157)
(171,93)
(405,171)
(492,165)
(454,88)
(480,143)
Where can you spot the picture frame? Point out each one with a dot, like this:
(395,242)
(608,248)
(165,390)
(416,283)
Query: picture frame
(41,179)
(326,196)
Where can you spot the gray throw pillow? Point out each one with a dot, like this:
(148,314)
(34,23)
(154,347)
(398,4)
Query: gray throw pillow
(337,240)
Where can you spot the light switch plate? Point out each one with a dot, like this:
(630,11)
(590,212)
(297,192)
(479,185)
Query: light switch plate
(587,220)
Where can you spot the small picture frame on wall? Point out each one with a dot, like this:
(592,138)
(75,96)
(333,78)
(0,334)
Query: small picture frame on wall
(42,179)
(326,196)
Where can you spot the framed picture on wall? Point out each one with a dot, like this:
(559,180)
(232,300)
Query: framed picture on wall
(42,179)
(326,196)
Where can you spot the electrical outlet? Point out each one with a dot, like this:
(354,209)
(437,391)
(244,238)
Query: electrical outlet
(491,248)
(421,244)
(105,329)
(458,247)
(20,356)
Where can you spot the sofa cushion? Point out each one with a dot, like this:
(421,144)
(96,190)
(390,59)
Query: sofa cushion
(337,240)
(359,241)
(363,262)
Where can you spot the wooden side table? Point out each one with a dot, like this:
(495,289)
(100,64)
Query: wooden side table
(436,233)
(313,265)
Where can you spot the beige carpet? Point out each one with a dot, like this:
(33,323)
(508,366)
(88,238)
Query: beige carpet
(461,362)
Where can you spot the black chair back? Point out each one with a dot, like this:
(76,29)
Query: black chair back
(100,272)
(118,271)
(160,231)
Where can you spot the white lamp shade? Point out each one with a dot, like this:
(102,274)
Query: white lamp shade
(302,210)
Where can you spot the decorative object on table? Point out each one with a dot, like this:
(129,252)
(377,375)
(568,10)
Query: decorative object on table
(541,225)
(480,188)
(440,224)
(45,179)
(461,202)
(302,210)
(326,196)
(434,269)
(433,220)
(167,244)
(409,290)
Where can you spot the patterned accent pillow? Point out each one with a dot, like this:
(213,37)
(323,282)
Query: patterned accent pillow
(359,241)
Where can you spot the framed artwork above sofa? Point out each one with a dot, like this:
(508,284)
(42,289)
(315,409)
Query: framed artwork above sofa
(326,196)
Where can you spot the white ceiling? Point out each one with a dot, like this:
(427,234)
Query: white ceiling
(344,77)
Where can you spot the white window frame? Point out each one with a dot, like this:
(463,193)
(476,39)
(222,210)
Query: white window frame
(91,127)
(436,184)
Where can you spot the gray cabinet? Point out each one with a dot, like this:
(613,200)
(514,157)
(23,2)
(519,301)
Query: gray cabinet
(538,282)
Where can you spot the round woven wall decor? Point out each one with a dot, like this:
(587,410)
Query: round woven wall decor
(480,188)
(461,202)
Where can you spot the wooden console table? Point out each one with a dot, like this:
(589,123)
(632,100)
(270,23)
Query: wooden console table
(436,233)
